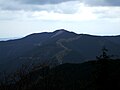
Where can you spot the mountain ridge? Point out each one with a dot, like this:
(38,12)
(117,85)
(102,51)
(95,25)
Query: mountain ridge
(60,46)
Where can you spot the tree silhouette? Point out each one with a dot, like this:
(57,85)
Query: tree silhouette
(102,69)
(104,54)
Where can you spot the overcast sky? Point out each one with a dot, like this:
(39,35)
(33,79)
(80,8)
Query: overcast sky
(22,17)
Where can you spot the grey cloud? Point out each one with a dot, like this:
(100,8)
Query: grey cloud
(42,2)
(67,8)
(38,5)
(89,2)
(102,2)
(113,2)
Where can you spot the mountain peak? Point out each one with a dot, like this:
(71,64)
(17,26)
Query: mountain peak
(61,30)
(58,32)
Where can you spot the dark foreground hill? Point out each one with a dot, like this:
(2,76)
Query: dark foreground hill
(92,75)
(54,48)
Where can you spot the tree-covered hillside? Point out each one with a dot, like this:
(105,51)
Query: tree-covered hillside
(60,46)
(93,75)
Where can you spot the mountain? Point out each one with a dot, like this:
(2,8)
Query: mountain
(54,48)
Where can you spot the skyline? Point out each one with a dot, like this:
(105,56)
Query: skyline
(19,18)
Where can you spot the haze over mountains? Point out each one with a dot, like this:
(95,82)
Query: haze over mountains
(10,38)
(54,48)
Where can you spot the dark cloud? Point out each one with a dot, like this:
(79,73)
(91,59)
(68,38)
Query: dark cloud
(42,2)
(32,5)
(67,7)
(102,2)
(39,5)
(89,2)
(113,2)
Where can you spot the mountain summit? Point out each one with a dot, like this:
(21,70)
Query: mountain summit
(54,48)
(59,32)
